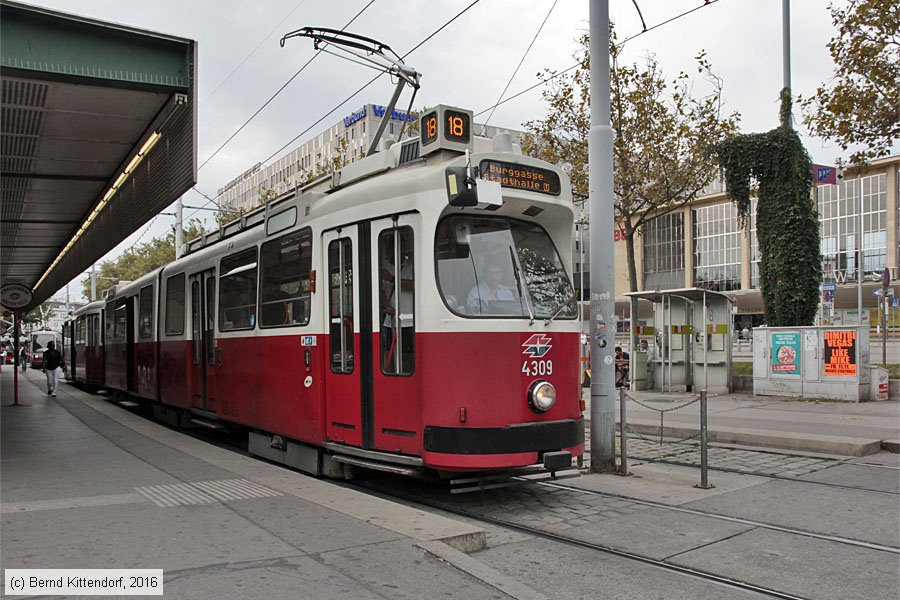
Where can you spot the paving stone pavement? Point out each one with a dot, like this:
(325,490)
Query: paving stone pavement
(737,460)
(545,508)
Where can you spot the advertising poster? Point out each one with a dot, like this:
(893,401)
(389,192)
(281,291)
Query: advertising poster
(786,353)
(840,353)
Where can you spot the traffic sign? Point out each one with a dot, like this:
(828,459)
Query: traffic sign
(828,287)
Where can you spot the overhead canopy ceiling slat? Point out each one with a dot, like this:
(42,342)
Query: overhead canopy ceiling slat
(79,100)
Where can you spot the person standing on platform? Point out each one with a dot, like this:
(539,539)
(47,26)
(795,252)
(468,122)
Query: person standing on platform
(53,366)
(23,358)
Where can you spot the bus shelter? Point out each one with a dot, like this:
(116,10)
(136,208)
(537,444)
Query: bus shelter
(688,343)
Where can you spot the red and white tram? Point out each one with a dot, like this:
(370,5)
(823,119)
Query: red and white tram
(413,313)
(83,346)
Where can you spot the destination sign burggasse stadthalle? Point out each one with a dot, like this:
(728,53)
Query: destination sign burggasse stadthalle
(522,177)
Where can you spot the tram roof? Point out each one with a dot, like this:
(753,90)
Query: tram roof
(98,136)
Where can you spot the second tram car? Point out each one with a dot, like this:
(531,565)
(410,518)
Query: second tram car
(413,312)
(83,346)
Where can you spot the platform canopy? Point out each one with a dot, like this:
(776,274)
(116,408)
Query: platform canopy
(98,136)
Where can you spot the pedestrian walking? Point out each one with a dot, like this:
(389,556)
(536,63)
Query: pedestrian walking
(23,358)
(53,366)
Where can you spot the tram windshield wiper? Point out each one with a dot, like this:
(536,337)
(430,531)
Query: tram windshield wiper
(562,305)
(523,295)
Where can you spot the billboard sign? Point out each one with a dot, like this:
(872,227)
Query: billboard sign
(840,353)
(786,353)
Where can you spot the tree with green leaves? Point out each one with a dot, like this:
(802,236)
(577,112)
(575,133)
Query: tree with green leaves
(787,223)
(661,131)
(861,103)
(139,260)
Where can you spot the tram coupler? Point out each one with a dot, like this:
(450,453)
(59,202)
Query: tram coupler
(556,461)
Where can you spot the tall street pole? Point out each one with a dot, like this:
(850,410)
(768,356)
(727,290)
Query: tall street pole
(179,227)
(786,41)
(601,216)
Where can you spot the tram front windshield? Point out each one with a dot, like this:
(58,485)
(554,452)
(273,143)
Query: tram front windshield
(499,267)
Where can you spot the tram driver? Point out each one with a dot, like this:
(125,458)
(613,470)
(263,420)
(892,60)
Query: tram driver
(489,289)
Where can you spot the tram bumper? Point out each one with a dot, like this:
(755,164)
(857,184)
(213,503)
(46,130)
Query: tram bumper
(472,448)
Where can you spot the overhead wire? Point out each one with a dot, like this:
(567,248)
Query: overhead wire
(370,82)
(252,52)
(576,65)
(354,94)
(281,89)
(516,71)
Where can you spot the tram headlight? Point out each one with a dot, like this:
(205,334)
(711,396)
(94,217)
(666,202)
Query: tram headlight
(541,396)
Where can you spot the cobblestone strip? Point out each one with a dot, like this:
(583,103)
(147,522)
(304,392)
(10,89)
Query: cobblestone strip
(547,509)
(750,462)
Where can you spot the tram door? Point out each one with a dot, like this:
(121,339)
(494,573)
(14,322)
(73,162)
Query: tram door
(395,389)
(345,396)
(203,340)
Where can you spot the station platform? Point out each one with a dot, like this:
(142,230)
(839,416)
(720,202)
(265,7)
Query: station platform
(89,485)
(86,484)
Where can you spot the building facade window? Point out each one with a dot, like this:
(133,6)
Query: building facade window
(839,217)
(717,247)
(664,252)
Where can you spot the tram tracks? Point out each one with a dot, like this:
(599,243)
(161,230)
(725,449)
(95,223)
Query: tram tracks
(662,564)
(740,520)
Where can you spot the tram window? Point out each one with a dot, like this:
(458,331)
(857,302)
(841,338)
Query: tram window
(96,327)
(499,267)
(340,295)
(175,305)
(237,291)
(397,325)
(285,297)
(196,323)
(121,320)
(145,312)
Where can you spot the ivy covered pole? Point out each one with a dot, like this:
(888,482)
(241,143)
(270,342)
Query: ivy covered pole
(787,225)
(786,42)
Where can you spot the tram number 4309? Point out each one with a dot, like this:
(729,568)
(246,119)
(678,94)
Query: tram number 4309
(537,367)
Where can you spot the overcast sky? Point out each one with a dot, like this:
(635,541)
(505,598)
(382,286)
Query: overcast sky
(468,64)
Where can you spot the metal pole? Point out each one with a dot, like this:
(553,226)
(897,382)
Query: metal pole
(786,42)
(859,243)
(17,358)
(623,437)
(93,282)
(885,282)
(704,478)
(179,228)
(602,217)
(705,344)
